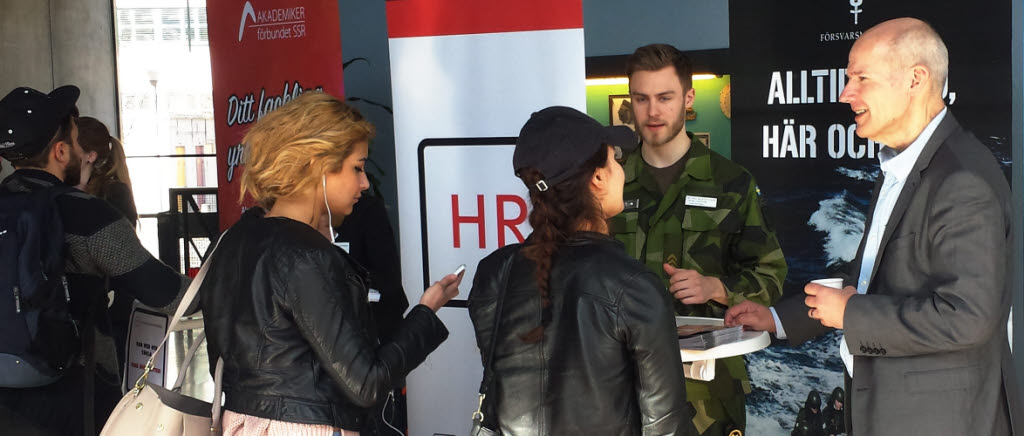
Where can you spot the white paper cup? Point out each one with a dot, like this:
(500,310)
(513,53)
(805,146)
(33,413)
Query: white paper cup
(832,283)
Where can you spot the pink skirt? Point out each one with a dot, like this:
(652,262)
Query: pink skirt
(237,424)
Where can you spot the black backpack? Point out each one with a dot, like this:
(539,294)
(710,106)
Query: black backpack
(39,338)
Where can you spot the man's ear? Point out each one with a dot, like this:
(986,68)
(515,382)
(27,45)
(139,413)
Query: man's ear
(920,79)
(61,152)
(691,94)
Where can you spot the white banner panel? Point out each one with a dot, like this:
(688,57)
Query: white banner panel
(472,87)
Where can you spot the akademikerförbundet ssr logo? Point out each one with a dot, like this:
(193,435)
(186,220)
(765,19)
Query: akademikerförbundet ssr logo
(247,12)
(275,23)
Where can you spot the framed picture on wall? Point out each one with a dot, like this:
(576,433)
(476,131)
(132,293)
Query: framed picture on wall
(704,137)
(620,111)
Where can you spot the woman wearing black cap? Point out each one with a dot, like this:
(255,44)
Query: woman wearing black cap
(585,339)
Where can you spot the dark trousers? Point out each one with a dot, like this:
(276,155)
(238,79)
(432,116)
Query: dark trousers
(55,409)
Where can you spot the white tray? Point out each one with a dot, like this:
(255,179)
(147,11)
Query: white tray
(750,342)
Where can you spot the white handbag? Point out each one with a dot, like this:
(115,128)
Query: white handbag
(150,409)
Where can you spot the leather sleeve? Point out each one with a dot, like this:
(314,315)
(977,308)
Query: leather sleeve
(963,302)
(646,319)
(317,292)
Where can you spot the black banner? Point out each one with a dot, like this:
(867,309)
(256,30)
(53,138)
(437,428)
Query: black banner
(815,175)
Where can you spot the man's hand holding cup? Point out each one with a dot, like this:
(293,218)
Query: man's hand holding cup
(827,299)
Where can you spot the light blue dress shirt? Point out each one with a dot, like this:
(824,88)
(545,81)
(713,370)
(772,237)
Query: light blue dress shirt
(896,167)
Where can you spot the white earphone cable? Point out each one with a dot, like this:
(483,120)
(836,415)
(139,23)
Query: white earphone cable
(330,220)
(391,398)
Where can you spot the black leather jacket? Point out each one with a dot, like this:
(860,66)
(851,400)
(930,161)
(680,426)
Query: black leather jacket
(288,312)
(608,363)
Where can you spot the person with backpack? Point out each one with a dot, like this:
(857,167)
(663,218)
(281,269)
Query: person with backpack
(60,250)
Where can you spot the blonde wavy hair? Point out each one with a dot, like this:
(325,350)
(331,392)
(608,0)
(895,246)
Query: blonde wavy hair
(288,149)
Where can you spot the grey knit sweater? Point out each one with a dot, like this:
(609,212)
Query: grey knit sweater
(102,249)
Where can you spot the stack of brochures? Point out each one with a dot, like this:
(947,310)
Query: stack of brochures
(703,337)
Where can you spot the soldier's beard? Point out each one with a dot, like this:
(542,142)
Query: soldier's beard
(672,130)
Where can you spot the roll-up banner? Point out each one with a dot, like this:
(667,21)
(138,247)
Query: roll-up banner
(264,53)
(788,71)
(466,75)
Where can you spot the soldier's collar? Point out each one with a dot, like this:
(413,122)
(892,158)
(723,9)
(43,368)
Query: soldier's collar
(698,164)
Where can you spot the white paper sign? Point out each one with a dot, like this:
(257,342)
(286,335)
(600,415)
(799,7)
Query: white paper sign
(148,328)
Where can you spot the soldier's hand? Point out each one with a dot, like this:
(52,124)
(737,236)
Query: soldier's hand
(751,315)
(690,287)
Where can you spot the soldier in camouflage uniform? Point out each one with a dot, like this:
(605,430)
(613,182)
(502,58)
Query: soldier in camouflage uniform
(694,218)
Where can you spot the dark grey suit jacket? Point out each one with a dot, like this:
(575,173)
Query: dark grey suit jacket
(929,339)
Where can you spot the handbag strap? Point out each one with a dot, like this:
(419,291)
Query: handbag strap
(186,302)
(218,390)
(218,382)
(188,359)
(488,380)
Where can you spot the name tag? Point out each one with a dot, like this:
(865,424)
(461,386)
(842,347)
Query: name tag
(695,200)
(630,205)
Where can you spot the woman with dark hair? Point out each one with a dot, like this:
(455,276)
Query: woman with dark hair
(585,341)
(105,168)
(105,175)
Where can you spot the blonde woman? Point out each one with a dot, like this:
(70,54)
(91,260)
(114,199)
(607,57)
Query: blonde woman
(286,308)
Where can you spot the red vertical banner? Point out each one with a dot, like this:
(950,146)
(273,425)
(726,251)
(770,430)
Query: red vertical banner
(263,53)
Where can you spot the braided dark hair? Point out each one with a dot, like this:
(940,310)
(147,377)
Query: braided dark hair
(557,213)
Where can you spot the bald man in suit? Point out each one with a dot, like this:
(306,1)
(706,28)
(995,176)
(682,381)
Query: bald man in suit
(925,311)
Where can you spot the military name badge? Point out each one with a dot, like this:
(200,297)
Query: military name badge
(696,200)
(631,205)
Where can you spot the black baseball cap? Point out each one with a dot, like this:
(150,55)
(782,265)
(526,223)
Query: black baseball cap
(29,119)
(558,139)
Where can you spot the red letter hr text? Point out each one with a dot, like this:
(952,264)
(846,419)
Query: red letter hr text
(457,220)
(511,224)
(503,223)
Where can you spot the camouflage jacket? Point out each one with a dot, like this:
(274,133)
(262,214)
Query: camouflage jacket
(709,220)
